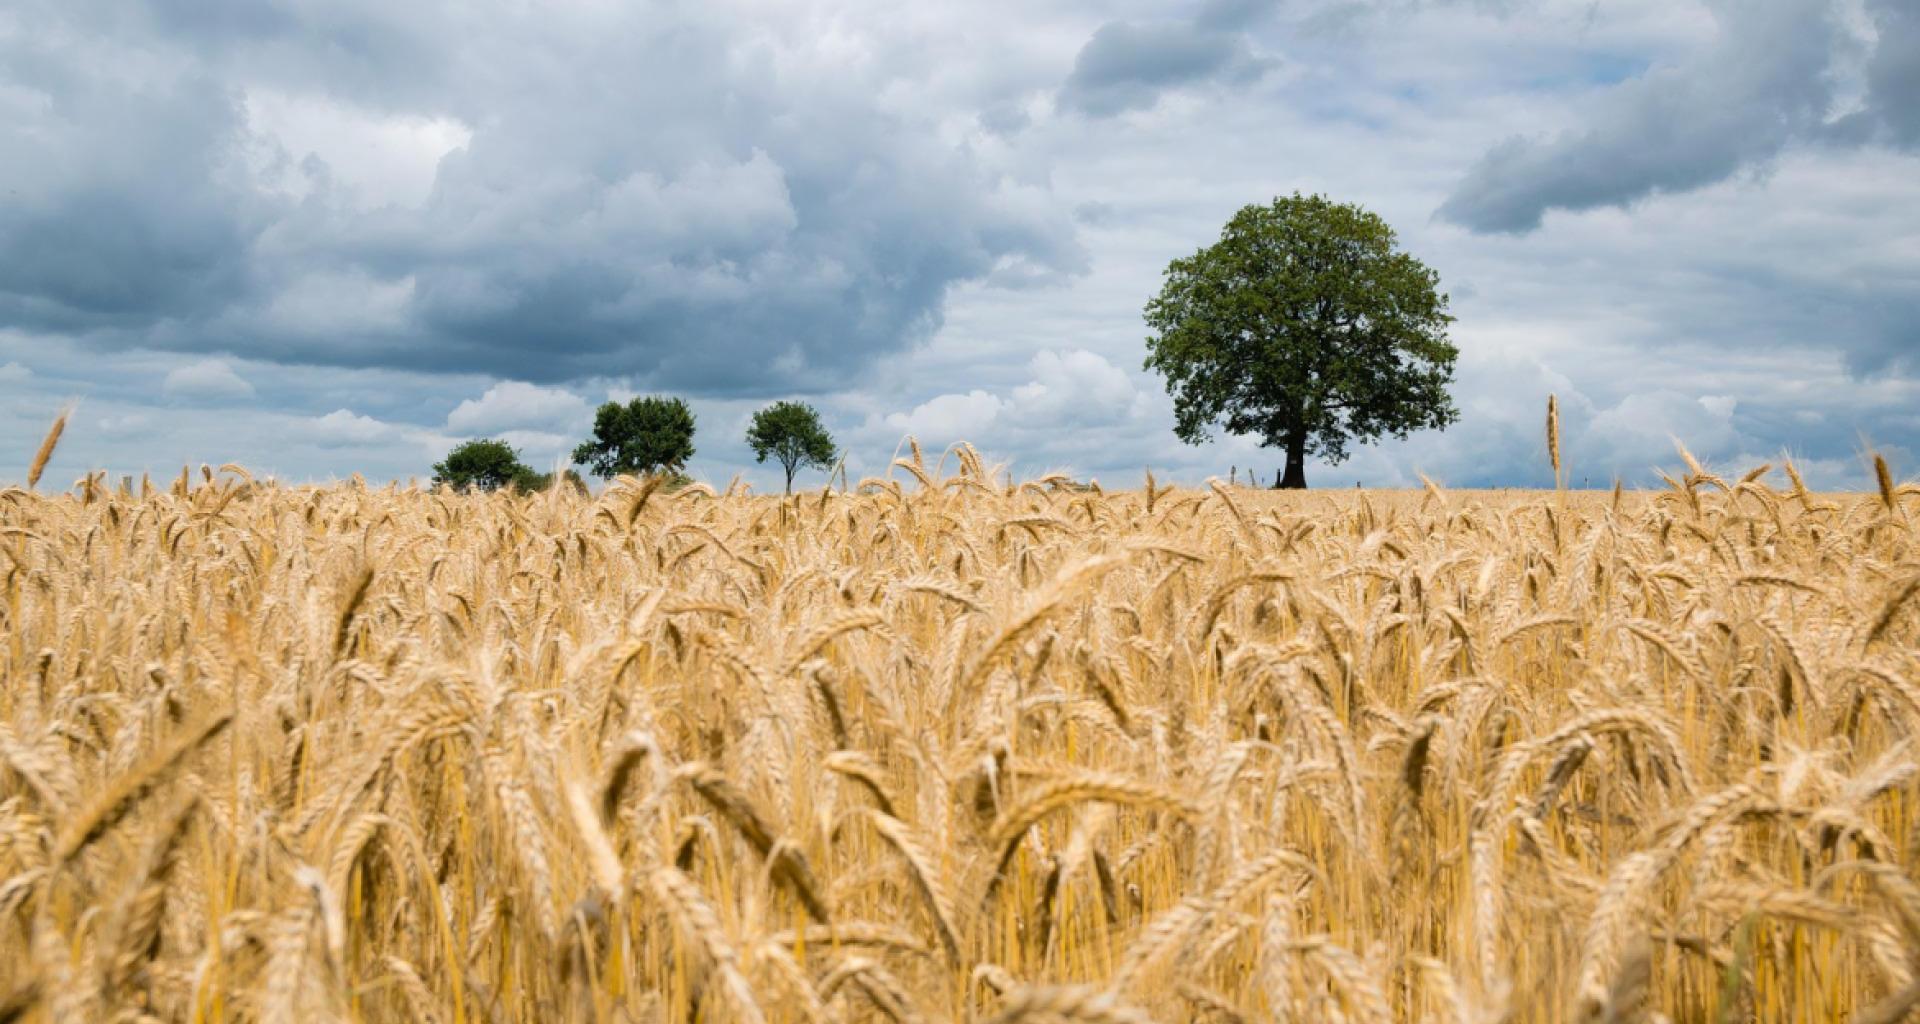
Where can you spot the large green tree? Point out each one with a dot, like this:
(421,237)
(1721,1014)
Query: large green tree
(647,435)
(791,433)
(1307,326)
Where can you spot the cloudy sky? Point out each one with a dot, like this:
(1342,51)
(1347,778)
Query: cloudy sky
(325,236)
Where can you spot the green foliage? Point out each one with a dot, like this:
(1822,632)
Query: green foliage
(1306,326)
(529,480)
(791,433)
(484,464)
(646,435)
(488,465)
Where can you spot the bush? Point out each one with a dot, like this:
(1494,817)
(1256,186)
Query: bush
(484,464)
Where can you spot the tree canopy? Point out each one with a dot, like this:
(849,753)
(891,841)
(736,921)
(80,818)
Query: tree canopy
(791,433)
(1307,326)
(485,464)
(534,480)
(646,435)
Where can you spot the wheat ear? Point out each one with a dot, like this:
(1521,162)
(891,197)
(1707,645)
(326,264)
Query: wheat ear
(133,786)
(920,865)
(47,445)
(700,927)
(139,933)
(1006,830)
(1083,1004)
(1553,436)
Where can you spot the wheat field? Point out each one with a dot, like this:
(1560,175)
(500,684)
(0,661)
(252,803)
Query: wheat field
(939,748)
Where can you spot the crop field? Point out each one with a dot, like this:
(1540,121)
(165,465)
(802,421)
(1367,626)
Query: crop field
(940,748)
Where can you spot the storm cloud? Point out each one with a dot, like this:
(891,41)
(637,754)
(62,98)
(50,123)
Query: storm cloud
(1767,82)
(1893,74)
(635,189)
(1127,66)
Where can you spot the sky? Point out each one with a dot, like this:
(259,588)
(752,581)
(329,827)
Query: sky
(326,237)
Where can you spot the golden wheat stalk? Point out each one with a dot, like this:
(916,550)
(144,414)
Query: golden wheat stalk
(47,445)
(1553,436)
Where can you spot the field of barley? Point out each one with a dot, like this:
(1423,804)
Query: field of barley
(942,749)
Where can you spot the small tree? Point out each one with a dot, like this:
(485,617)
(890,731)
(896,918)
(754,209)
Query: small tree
(792,434)
(1307,326)
(484,464)
(646,435)
(531,480)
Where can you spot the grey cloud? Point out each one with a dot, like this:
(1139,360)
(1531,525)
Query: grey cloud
(120,204)
(639,197)
(1890,336)
(382,55)
(1671,130)
(1893,74)
(1231,14)
(1127,66)
(1095,214)
(1005,119)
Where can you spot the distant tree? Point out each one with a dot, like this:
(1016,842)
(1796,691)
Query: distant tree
(531,480)
(791,433)
(647,435)
(1307,326)
(484,464)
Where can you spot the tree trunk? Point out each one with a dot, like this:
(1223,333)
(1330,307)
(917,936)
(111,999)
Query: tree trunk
(1295,478)
(790,470)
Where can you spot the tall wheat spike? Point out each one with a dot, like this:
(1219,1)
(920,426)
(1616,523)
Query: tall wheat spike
(1553,436)
(45,451)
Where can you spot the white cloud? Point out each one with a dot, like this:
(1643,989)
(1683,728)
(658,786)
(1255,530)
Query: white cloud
(125,425)
(384,158)
(514,405)
(948,418)
(14,373)
(540,449)
(344,427)
(1721,406)
(1076,412)
(1644,427)
(1070,389)
(1076,386)
(207,379)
